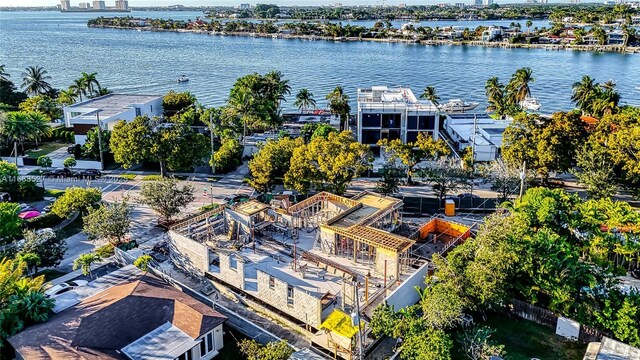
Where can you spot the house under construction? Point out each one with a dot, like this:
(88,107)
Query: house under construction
(310,263)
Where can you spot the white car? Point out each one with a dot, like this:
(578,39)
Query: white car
(64,287)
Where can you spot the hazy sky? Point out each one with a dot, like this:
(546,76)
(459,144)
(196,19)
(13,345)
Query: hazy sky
(236,2)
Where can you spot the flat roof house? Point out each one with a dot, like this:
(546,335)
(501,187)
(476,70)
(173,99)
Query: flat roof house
(110,109)
(393,113)
(481,129)
(138,317)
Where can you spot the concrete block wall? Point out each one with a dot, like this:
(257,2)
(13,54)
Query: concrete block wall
(187,254)
(234,277)
(392,263)
(306,307)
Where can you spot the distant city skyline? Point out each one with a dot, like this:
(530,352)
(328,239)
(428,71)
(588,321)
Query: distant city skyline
(139,3)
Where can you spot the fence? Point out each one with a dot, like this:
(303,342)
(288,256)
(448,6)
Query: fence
(432,205)
(545,317)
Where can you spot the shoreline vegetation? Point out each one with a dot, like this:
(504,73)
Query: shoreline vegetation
(352,33)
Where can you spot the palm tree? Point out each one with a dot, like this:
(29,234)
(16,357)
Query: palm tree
(91,83)
(493,87)
(34,80)
(78,88)
(529,23)
(304,100)
(84,263)
(339,105)
(16,128)
(584,92)
(518,87)
(4,75)
(66,97)
(39,126)
(429,93)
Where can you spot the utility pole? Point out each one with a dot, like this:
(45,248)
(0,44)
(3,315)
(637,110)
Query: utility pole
(523,176)
(100,139)
(360,342)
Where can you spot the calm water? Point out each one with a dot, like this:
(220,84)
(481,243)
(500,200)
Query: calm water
(148,62)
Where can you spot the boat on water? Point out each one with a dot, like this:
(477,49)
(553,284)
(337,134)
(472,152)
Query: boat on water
(458,105)
(530,103)
(183,79)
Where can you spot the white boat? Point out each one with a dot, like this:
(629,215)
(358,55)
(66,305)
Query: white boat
(530,103)
(458,105)
(183,79)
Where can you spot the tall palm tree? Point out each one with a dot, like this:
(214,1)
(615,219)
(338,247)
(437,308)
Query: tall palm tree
(430,94)
(305,100)
(339,105)
(34,80)
(493,87)
(91,83)
(78,88)
(4,75)
(584,92)
(518,87)
(66,97)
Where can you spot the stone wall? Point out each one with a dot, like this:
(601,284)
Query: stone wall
(305,306)
(187,254)
(234,277)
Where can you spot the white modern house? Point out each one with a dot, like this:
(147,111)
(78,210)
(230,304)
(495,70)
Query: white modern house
(468,129)
(393,113)
(109,109)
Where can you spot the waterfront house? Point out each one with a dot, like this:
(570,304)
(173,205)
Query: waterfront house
(128,314)
(393,113)
(465,130)
(109,109)
(493,33)
(615,37)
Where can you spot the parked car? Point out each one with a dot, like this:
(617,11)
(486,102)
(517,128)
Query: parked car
(46,209)
(64,287)
(60,172)
(24,207)
(90,173)
(71,149)
(635,273)
(233,199)
(468,196)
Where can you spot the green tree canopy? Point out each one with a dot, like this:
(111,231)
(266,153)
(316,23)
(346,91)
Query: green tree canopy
(272,162)
(165,196)
(279,350)
(10,223)
(109,221)
(46,245)
(76,199)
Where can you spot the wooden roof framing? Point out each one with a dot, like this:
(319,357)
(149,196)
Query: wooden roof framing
(375,237)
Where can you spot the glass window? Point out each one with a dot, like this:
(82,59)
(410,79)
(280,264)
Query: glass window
(391,121)
(412,122)
(289,294)
(233,263)
(74,114)
(371,120)
(394,134)
(203,347)
(210,342)
(138,112)
(370,136)
(426,122)
(272,282)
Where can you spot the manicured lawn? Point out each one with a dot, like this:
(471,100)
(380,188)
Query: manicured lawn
(44,149)
(524,340)
(128,176)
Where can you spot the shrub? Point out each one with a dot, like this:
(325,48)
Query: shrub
(76,199)
(152,178)
(70,162)
(47,220)
(128,176)
(105,251)
(208,207)
(45,161)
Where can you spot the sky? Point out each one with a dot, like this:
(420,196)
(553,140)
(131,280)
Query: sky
(236,2)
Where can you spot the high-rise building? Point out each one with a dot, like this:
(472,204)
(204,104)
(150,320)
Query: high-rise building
(487,2)
(65,5)
(83,5)
(460,5)
(99,5)
(122,5)
(245,6)
(478,3)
